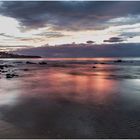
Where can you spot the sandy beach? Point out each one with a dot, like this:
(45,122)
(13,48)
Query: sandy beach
(69,98)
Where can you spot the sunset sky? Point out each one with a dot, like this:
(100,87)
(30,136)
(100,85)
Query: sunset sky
(36,23)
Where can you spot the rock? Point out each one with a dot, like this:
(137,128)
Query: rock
(42,63)
(118,61)
(95,62)
(11,75)
(25,69)
(3,71)
(1,67)
(102,63)
(5,66)
(28,62)
(18,62)
(58,65)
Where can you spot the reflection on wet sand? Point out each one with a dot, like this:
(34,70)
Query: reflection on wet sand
(79,88)
(9,91)
(68,103)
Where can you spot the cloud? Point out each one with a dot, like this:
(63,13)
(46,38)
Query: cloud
(68,15)
(131,19)
(114,39)
(51,34)
(14,47)
(130,34)
(5,35)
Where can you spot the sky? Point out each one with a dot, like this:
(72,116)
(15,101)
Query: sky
(31,24)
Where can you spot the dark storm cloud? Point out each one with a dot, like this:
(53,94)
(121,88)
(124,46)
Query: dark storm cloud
(114,39)
(68,15)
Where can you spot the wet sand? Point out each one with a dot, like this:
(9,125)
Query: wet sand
(70,100)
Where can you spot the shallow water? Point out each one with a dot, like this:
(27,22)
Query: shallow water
(72,100)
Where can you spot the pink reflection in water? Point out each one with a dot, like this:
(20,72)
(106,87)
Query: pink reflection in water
(69,83)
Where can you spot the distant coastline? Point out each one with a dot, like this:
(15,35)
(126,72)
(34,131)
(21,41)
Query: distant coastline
(10,55)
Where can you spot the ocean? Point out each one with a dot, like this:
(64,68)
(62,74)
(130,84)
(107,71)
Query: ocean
(70,98)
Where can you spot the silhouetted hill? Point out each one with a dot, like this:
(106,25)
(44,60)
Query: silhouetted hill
(85,50)
(9,55)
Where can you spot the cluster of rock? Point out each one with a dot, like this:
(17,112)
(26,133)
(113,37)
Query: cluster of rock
(5,69)
(9,70)
(41,63)
(113,62)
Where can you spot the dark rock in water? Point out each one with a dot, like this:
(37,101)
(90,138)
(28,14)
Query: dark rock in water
(28,62)
(25,69)
(3,71)
(5,66)
(95,62)
(58,65)
(1,67)
(42,63)
(11,75)
(94,67)
(102,63)
(118,61)
(18,62)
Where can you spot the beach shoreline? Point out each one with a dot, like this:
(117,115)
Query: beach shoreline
(43,98)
